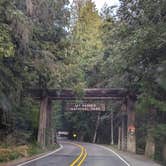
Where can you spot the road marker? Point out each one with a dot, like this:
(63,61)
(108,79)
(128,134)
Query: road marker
(48,154)
(115,154)
(83,159)
(79,157)
(82,155)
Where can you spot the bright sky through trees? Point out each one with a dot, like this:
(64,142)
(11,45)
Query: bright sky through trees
(100,3)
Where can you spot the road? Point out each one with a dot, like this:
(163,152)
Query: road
(79,154)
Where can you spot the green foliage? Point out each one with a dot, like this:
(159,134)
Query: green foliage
(132,57)
(144,103)
(9,156)
(86,38)
(6,45)
(82,123)
(33,47)
(134,42)
(160,137)
(38,49)
(34,149)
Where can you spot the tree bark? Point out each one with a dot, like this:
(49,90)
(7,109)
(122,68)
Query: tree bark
(164,154)
(150,141)
(119,138)
(50,131)
(112,128)
(124,133)
(96,128)
(29,6)
(131,137)
(42,122)
(124,126)
(150,146)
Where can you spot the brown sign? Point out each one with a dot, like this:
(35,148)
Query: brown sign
(85,107)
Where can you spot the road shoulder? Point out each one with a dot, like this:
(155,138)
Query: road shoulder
(134,159)
(22,161)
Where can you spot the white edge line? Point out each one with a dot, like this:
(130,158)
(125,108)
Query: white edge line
(115,154)
(48,154)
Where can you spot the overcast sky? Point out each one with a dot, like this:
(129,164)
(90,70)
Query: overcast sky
(100,3)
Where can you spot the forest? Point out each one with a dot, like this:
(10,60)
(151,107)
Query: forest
(51,44)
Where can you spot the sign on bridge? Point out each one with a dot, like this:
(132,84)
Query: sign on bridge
(85,107)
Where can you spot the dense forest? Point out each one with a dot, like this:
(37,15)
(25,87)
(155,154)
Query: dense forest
(56,44)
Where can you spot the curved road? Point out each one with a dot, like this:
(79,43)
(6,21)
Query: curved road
(96,156)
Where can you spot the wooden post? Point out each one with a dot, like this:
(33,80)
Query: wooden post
(131,137)
(49,129)
(42,122)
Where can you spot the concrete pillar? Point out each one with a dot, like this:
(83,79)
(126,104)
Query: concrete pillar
(131,136)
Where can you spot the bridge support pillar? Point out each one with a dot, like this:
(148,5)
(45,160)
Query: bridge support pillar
(45,132)
(131,137)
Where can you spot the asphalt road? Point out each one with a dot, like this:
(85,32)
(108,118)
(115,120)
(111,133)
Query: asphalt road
(97,156)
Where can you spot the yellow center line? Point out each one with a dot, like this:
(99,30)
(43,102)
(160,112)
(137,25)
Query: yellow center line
(79,157)
(83,159)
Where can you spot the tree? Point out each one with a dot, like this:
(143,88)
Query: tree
(33,35)
(86,35)
(134,49)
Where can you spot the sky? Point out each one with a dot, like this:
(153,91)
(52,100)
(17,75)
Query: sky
(100,3)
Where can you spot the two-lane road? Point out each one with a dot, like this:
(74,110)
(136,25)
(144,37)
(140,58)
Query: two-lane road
(72,152)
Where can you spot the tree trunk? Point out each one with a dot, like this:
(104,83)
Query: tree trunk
(150,142)
(112,128)
(124,126)
(124,133)
(96,128)
(50,131)
(119,138)
(164,154)
(131,137)
(150,146)
(29,7)
(42,122)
